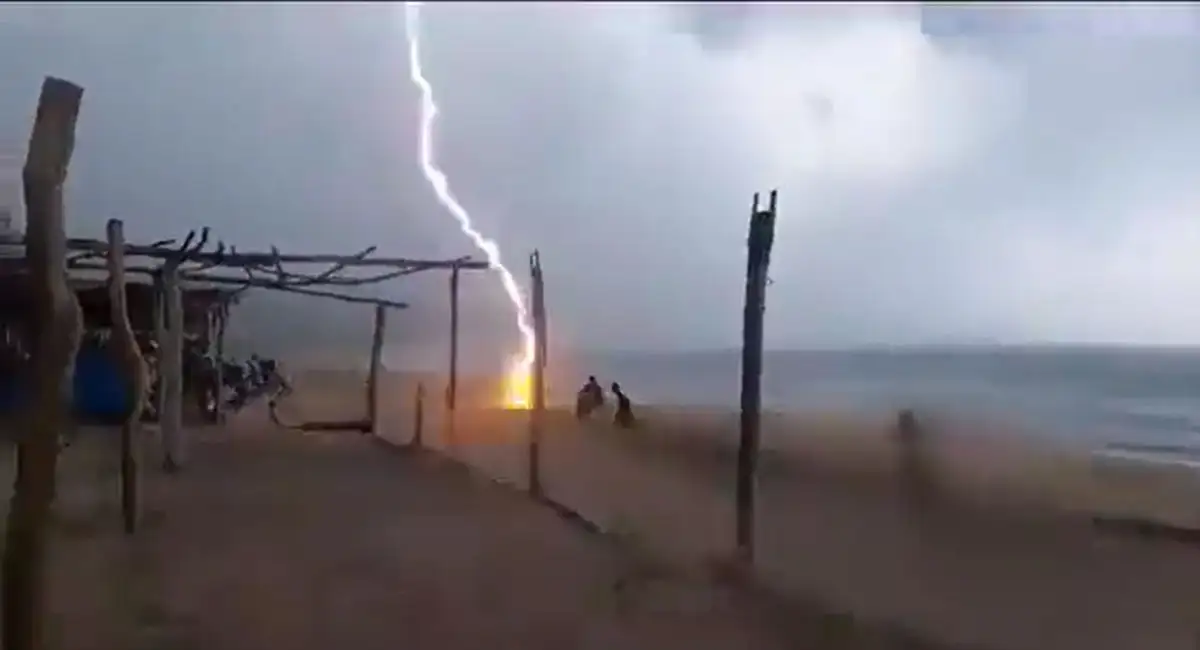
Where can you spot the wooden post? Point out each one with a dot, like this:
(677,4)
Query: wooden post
(538,410)
(452,382)
(376,366)
(222,318)
(171,371)
(55,340)
(129,355)
(418,439)
(762,235)
(160,339)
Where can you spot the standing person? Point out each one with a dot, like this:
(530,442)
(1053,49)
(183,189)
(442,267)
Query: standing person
(595,392)
(624,415)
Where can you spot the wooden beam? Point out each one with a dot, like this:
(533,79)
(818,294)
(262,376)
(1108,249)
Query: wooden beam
(376,369)
(762,235)
(259,283)
(54,345)
(238,259)
(170,347)
(129,357)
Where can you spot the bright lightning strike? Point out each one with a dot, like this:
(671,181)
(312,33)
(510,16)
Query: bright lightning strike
(517,382)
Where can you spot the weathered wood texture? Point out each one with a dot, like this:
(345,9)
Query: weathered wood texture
(762,236)
(54,346)
(128,355)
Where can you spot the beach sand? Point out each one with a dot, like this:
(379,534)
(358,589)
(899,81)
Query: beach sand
(1004,556)
(274,539)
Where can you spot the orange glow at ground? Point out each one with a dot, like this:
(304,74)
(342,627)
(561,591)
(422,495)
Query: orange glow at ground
(518,387)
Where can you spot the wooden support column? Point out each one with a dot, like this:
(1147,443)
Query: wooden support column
(762,235)
(55,341)
(171,369)
(222,317)
(376,368)
(128,355)
(538,407)
(418,437)
(452,381)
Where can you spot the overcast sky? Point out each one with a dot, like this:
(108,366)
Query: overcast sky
(947,175)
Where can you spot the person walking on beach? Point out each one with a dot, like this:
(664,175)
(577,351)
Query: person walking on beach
(624,415)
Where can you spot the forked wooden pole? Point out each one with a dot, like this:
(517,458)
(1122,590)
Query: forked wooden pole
(55,340)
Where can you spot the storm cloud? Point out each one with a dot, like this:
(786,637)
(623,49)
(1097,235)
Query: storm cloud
(946,174)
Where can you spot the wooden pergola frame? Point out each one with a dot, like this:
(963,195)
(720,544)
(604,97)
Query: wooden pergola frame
(50,255)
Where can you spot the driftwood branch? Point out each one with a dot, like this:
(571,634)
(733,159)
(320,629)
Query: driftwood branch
(55,342)
(133,366)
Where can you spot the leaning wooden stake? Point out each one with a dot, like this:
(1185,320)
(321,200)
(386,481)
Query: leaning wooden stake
(762,235)
(55,340)
(376,368)
(170,416)
(133,367)
(538,379)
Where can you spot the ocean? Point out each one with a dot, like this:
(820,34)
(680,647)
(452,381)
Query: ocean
(1093,395)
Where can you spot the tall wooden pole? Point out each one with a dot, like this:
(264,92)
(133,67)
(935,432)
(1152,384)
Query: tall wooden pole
(762,235)
(538,378)
(129,357)
(376,369)
(55,337)
(452,383)
(171,371)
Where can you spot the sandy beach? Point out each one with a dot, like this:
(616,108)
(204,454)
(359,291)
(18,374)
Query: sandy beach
(1006,556)
(282,539)
(273,539)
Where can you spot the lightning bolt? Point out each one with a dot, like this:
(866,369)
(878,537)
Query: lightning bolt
(520,365)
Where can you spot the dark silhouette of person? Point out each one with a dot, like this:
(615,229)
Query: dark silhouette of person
(594,391)
(624,414)
(590,398)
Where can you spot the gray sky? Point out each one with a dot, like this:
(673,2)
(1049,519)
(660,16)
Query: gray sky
(947,175)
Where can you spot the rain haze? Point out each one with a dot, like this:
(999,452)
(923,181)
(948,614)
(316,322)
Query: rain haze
(946,175)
